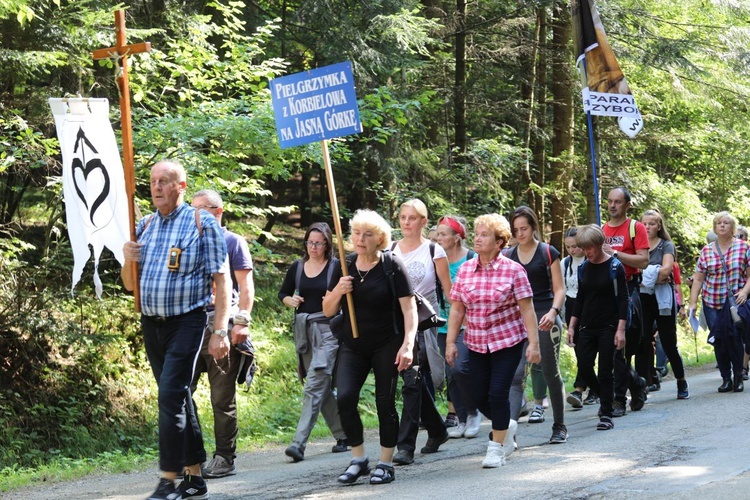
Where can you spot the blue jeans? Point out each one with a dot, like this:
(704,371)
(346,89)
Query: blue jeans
(491,375)
(728,349)
(459,385)
(172,347)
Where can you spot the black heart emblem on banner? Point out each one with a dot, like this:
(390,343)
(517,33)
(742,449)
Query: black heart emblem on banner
(87,167)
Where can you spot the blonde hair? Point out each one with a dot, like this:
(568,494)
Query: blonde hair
(418,206)
(590,236)
(373,221)
(495,223)
(725,215)
(662,232)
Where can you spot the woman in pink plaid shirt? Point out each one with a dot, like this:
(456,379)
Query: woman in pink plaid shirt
(493,295)
(711,280)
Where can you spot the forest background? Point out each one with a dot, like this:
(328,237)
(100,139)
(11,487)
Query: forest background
(474,107)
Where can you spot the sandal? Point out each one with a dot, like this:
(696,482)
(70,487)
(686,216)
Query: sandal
(382,474)
(354,471)
(605,424)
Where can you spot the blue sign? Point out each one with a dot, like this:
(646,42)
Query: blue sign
(315,105)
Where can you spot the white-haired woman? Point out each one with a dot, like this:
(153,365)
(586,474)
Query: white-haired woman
(721,275)
(387,326)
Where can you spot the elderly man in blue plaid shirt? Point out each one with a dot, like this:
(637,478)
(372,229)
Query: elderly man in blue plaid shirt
(182,253)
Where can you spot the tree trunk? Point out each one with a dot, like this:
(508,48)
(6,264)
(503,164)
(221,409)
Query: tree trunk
(460,80)
(562,119)
(539,142)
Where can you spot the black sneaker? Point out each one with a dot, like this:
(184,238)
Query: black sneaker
(341,446)
(218,467)
(591,399)
(164,490)
(575,399)
(638,394)
(193,487)
(403,457)
(559,434)
(433,444)
(682,389)
(618,409)
(295,452)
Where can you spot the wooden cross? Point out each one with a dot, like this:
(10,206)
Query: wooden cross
(121,51)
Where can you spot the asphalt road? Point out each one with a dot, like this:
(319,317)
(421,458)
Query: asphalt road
(690,449)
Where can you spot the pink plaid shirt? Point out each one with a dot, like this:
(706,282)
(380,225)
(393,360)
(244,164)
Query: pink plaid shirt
(715,282)
(490,295)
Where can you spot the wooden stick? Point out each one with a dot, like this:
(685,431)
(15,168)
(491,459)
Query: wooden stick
(339,235)
(121,50)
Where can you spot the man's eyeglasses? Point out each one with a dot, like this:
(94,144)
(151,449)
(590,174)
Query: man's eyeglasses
(315,244)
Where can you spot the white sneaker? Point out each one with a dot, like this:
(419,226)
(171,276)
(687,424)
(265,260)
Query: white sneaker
(457,431)
(509,443)
(473,422)
(495,456)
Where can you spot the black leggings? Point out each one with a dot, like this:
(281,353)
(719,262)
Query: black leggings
(351,372)
(667,326)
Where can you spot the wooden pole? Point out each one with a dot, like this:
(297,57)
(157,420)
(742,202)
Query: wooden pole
(121,51)
(339,235)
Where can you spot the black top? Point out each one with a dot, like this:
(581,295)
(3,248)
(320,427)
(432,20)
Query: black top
(596,305)
(539,273)
(373,305)
(311,289)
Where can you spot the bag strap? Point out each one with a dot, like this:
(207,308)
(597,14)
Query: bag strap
(387,258)
(568,265)
(470,254)
(438,283)
(298,274)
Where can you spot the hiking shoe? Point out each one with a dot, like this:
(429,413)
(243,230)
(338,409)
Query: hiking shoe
(663,370)
(682,389)
(433,444)
(537,415)
(218,467)
(403,457)
(457,431)
(559,434)
(341,446)
(473,422)
(294,451)
(451,420)
(745,375)
(591,399)
(509,443)
(575,399)
(192,487)
(495,456)
(164,489)
(618,409)
(638,394)
(654,387)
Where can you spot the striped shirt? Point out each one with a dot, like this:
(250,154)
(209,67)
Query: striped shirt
(715,282)
(165,292)
(490,295)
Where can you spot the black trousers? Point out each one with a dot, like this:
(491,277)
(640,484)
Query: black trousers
(418,402)
(637,345)
(601,341)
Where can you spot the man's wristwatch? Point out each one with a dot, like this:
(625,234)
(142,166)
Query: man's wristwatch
(614,254)
(222,332)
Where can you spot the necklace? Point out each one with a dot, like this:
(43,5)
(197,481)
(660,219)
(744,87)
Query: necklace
(363,276)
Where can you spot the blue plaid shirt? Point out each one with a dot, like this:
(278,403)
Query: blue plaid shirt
(169,293)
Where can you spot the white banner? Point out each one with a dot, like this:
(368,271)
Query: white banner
(93,182)
(620,105)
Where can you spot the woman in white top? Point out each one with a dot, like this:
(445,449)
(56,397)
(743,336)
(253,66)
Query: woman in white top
(423,269)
